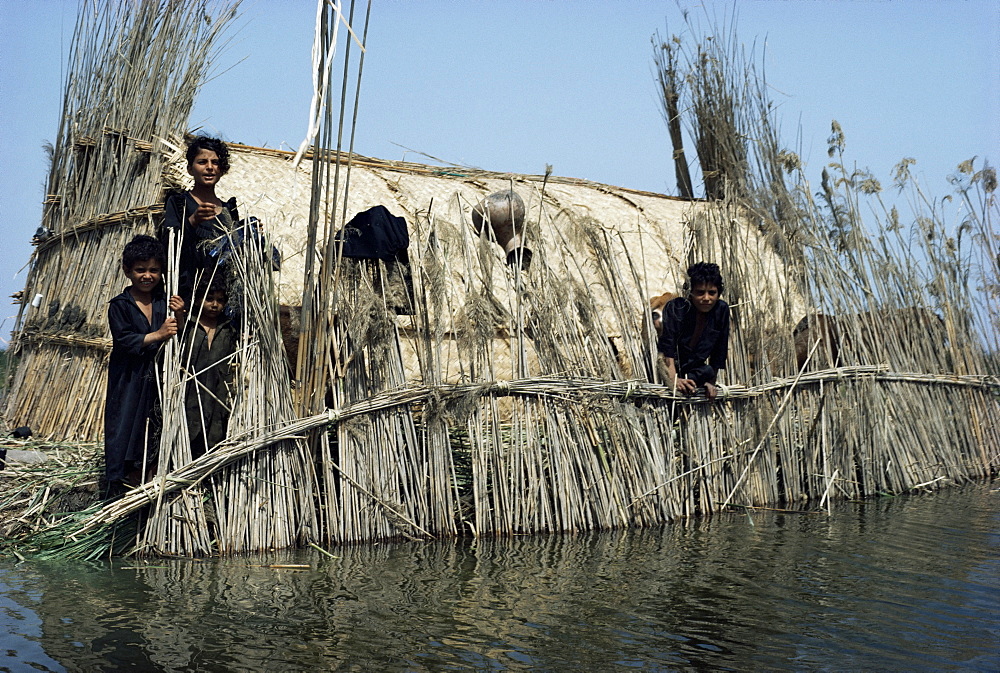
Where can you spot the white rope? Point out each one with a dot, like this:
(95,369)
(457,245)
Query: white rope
(321,81)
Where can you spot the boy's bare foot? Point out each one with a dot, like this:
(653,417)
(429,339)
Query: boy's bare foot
(133,478)
(711,391)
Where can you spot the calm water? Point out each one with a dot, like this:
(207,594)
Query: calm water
(900,584)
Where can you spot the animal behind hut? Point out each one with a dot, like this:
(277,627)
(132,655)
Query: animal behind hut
(907,338)
(652,325)
(655,314)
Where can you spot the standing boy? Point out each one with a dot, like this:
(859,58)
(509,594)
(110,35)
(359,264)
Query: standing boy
(206,354)
(696,329)
(139,324)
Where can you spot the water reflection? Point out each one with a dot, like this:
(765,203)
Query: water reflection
(899,584)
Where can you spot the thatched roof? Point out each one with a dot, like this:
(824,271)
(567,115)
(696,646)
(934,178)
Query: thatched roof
(267,185)
(581,230)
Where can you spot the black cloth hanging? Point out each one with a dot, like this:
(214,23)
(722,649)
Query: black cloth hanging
(375,234)
(378,234)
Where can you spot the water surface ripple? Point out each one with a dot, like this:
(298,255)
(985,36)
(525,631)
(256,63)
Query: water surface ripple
(897,584)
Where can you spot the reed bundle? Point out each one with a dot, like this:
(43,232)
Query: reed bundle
(176,527)
(870,290)
(35,495)
(268,500)
(648,469)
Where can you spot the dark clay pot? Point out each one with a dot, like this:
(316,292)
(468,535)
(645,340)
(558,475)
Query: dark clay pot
(504,212)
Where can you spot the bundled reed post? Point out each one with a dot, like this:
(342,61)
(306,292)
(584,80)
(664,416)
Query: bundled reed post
(176,526)
(373,476)
(267,500)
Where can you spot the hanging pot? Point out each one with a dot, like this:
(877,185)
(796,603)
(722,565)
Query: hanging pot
(504,212)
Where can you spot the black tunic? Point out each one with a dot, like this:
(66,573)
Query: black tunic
(133,394)
(378,234)
(679,318)
(207,400)
(198,241)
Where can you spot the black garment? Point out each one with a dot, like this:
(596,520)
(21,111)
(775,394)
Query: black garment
(375,234)
(378,234)
(679,318)
(200,244)
(133,396)
(207,401)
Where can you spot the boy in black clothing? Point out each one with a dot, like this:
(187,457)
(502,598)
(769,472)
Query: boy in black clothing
(696,329)
(139,324)
(209,342)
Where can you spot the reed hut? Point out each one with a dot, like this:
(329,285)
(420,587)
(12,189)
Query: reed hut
(492,396)
(508,400)
(588,233)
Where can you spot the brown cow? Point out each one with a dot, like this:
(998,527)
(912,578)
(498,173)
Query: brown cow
(655,314)
(288,321)
(812,328)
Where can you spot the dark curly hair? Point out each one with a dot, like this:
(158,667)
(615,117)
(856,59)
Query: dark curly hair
(704,272)
(199,143)
(140,248)
(214,284)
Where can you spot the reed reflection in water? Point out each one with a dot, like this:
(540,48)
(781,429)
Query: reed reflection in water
(909,583)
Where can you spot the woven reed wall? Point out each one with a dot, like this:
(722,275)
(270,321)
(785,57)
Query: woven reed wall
(78,271)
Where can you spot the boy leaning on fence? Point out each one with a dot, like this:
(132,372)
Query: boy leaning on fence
(695,338)
(139,324)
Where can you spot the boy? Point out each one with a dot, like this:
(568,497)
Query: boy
(696,329)
(209,342)
(139,324)
(199,216)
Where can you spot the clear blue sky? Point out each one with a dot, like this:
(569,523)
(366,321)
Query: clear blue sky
(513,85)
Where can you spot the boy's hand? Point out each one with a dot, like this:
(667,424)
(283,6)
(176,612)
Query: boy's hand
(205,212)
(686,386)
(167,329)
(176,304)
